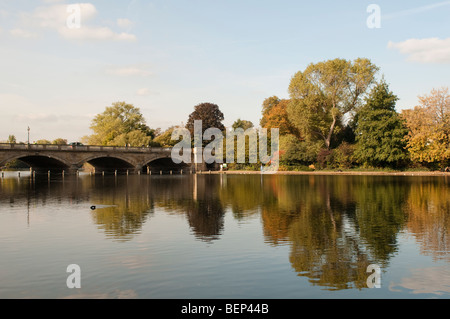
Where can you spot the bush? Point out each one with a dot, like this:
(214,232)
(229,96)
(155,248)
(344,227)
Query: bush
(341,157)
(344,156)
(325,158)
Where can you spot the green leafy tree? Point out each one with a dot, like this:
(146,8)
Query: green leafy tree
(120,124)
(325,92)
(380,131)
(60,141)
(243,124)
(164,139)
(11,139)
(293,151)
(43,141)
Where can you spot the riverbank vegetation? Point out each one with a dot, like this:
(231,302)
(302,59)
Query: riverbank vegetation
(340,115)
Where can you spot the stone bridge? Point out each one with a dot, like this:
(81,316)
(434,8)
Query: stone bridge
(70,159)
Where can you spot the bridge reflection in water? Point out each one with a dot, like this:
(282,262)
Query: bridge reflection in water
(99,159)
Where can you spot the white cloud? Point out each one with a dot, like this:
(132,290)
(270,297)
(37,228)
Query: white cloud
(57,17)
(430,50)
(132,70)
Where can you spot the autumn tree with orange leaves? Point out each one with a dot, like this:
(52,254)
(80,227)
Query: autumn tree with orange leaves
(428,140)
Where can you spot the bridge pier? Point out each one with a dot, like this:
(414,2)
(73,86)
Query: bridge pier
(72,170)
(137,169)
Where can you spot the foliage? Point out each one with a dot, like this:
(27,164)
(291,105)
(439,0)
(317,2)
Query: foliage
(428,139)
(120,124)
(60,141)
(380,131)
(325,92)
(294,151)
(274,115)
(243,124)
(11,139)
(43,141)
(209,114)
(325,158)
(344,157)
(165,138)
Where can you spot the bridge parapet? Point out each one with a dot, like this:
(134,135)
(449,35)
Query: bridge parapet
(81,148)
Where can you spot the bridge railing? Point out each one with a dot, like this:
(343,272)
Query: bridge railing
(87,148)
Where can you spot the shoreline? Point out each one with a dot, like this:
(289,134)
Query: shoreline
(369,173)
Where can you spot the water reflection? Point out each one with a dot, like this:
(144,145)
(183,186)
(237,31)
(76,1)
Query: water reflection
(428,212)
(335,226)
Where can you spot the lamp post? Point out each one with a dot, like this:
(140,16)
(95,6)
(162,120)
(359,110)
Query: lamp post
(28,135)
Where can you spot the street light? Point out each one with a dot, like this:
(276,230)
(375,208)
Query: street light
(28,135)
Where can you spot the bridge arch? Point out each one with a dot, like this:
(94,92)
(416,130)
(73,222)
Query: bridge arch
(164,164)
(41,162)
(103,162)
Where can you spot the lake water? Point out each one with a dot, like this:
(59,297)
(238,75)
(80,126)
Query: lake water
(224,236)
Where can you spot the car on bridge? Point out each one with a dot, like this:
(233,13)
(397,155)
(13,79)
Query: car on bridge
(75,144)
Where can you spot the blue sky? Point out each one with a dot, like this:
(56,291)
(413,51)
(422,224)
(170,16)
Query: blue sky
(165,57)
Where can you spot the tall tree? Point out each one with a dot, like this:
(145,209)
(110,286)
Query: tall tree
(120,124)
(325,92)
(209,114)
(428,140)
(380,131)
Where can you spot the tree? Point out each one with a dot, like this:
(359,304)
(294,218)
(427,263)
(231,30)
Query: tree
(60,141)
(267,106)
(243,124)
(323,94)
(164,139)
(133,138)
(209,114)
(428,140)
(274,115)
(120,124)
(11,139)
(380,131)
(43,141)
(294,151)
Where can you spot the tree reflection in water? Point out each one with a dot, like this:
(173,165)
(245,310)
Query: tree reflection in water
(335,226)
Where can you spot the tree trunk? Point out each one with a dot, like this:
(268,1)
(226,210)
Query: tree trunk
(330,134)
